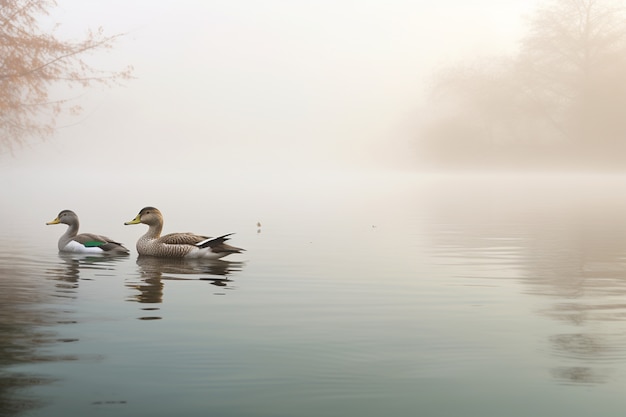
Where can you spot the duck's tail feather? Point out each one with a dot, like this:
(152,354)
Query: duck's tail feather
(217,244)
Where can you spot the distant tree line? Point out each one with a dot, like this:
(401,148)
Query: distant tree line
(32,61)
(559,103)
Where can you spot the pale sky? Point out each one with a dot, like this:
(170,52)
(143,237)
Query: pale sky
(272,85)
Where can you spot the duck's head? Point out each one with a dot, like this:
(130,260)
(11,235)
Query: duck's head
(147,215)
(65,217)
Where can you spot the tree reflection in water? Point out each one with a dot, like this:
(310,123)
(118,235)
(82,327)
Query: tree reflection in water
(564,241)
(21,327)
(27,315)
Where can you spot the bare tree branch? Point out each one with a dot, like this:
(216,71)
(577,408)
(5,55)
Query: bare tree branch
(32,61)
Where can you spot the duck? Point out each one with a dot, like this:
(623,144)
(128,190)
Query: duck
(178,245)
(89,243)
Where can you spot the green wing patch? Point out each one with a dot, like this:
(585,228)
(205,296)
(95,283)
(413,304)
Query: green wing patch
(93,244)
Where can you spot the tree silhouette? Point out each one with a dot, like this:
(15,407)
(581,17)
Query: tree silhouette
(558,101)
(32,61)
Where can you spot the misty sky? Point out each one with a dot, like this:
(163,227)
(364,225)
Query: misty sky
(252,85)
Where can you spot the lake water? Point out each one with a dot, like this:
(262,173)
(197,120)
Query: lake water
(398,295)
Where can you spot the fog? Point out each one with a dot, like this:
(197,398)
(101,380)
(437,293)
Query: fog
(256,87)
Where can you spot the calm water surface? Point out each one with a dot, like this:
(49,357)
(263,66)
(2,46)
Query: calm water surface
(392,295)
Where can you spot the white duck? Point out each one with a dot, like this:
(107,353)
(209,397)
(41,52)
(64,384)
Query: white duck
(73,242)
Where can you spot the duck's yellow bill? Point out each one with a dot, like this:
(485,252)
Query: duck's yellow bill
(136,220)
(55,221)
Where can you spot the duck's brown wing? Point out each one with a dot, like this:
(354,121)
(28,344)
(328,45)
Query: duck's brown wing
(91,240)
(182,239)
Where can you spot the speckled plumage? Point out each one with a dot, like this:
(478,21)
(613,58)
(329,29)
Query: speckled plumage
(177,245)
(72,242)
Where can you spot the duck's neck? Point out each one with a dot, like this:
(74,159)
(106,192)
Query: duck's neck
(154,231)
(72,230)
(70,233)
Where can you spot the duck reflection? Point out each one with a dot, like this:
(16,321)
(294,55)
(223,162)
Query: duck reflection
(68,271)
(153,271)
